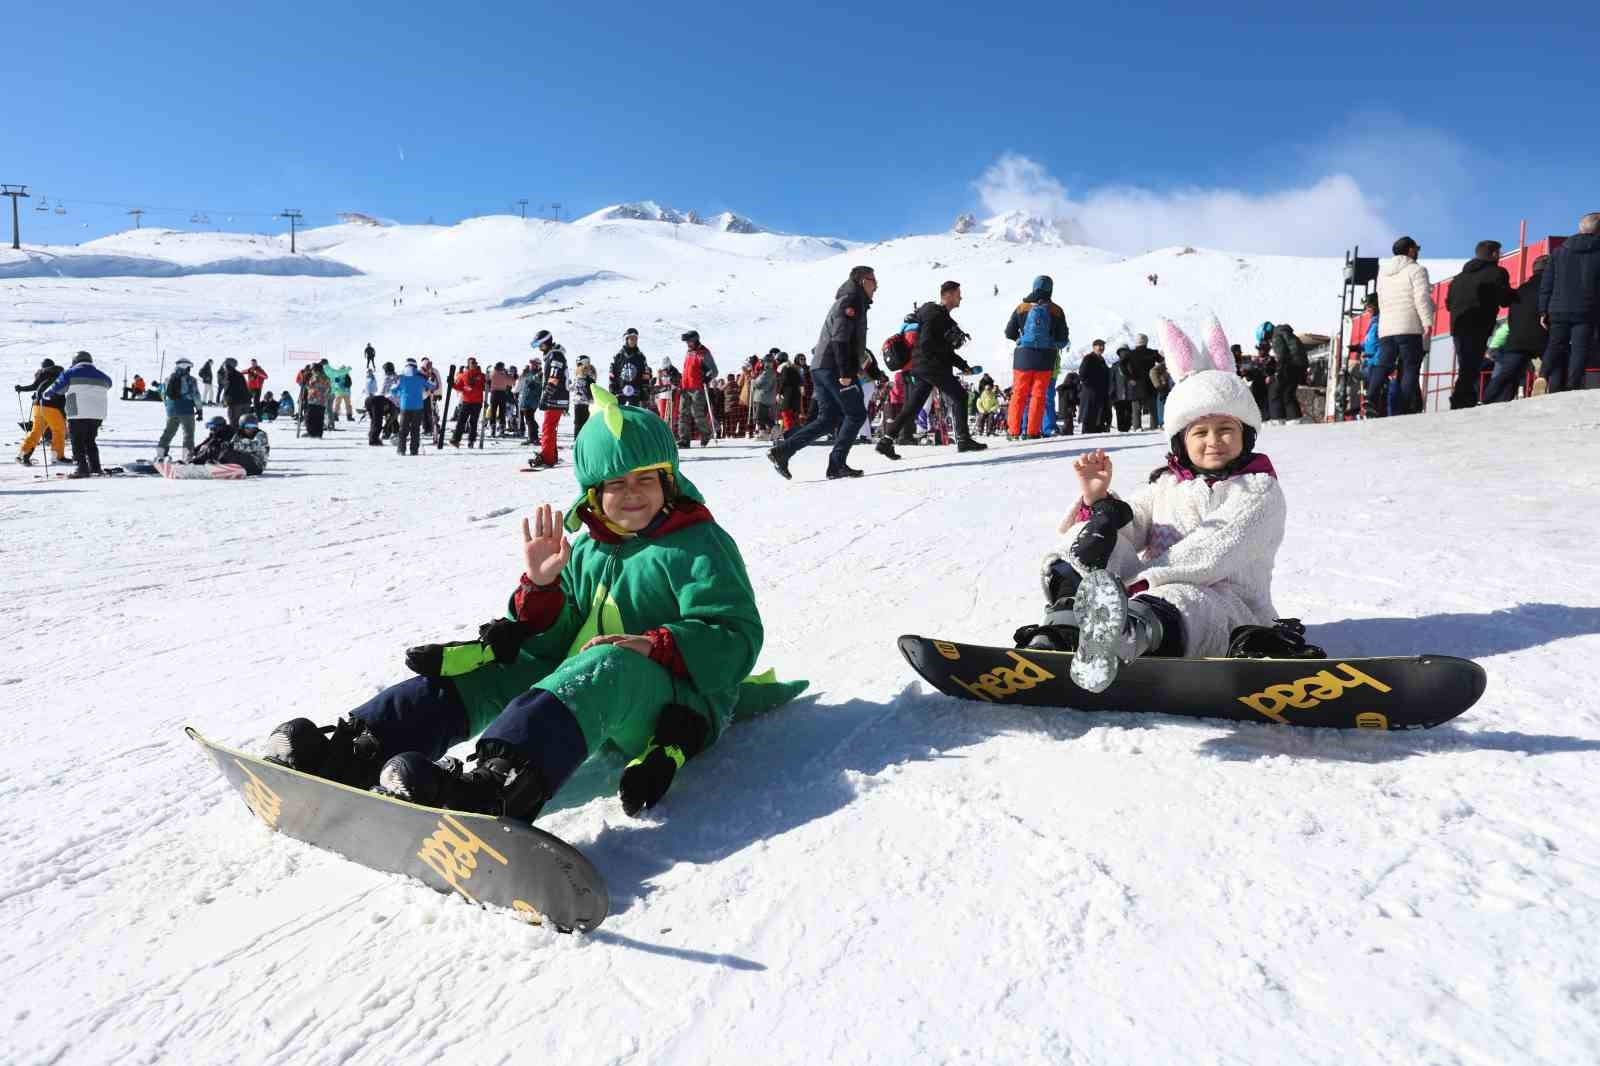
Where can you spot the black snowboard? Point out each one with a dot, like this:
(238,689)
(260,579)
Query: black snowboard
(485,859)
(1399,692)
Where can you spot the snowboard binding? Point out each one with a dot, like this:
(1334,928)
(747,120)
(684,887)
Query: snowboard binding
(1284,639)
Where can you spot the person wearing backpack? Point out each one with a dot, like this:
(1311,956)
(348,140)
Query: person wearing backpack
(1039,328)
(1284,401)
(181,397)
(934,359)
(1474,301)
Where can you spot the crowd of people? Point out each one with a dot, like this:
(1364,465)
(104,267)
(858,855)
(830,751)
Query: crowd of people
(921,391)
(1548,332)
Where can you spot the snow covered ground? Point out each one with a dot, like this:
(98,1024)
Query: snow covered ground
(876,874)
(873,874)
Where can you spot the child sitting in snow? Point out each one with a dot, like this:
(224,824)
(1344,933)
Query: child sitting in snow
(639,636)
(1195,547)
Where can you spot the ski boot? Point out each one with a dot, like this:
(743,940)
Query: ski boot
(500,783)
(349,752)
(26,458)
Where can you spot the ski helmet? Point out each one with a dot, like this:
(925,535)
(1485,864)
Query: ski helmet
(692,337)
(249,422)
(81,358)
(217,422)
(183,364)
(543,337)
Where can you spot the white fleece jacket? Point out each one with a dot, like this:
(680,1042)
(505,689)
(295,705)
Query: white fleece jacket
(1207,549)
(1405,298)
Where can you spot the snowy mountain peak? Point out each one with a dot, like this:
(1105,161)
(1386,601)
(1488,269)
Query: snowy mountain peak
(650,211)
(1020,227)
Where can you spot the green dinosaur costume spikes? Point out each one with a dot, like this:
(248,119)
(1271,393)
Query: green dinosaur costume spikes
(618,440)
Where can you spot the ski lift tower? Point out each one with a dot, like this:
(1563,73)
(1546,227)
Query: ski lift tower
(16,192)
(294,218)
(1360,275)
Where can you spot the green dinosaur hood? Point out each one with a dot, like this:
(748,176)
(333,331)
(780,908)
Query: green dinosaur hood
(617,440)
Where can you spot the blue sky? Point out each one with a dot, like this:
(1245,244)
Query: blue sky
(1222,124)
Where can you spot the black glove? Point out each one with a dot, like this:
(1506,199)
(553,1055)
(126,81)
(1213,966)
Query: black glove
(1094,542)
(680,736)
(504,637)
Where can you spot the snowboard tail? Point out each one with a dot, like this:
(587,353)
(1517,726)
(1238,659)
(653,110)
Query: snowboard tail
(1398,692)
(480,858)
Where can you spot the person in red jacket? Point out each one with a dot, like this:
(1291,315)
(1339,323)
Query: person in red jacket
(469,384)
(694,405)
(255,378)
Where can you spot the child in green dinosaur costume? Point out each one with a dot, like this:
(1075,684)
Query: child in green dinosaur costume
(639,636)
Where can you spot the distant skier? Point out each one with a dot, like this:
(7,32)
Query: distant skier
(410,395)
(630,372)
(555,398)
(1196,547)
(86,390)
(372,356)
(47,415)
(638,637)
(181,397)
(694,406)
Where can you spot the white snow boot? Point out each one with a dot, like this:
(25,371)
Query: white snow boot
(1112,630)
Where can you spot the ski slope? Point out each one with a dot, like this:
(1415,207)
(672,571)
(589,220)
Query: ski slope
(485,286)
(874,874)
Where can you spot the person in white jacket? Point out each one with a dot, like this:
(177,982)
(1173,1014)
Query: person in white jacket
(1405,323)
(1195,547)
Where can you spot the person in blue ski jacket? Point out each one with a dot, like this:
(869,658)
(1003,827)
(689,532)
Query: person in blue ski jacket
(410,394)
(181,398)
(86,389)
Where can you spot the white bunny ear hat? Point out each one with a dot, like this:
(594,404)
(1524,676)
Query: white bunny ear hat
(1207,381)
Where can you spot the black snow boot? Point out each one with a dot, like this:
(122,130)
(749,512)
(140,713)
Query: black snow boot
(844,471)
(885,448)
(967,444)
(500,783)
(780,463)
(349,752)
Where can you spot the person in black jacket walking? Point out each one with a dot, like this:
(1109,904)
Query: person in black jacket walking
(932,366)
(1094,389)
(1526,337)
(1569,303)
(836,378)
(1476,296)
(1139,362)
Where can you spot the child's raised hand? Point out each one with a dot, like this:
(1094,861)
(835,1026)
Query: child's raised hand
(1094,475)
(544,549)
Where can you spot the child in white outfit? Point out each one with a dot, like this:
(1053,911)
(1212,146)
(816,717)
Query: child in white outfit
(1194,548)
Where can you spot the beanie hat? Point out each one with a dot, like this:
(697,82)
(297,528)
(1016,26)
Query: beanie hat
(692,337)
(82,357)
(1207,381)
(48,364)
(629,332)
